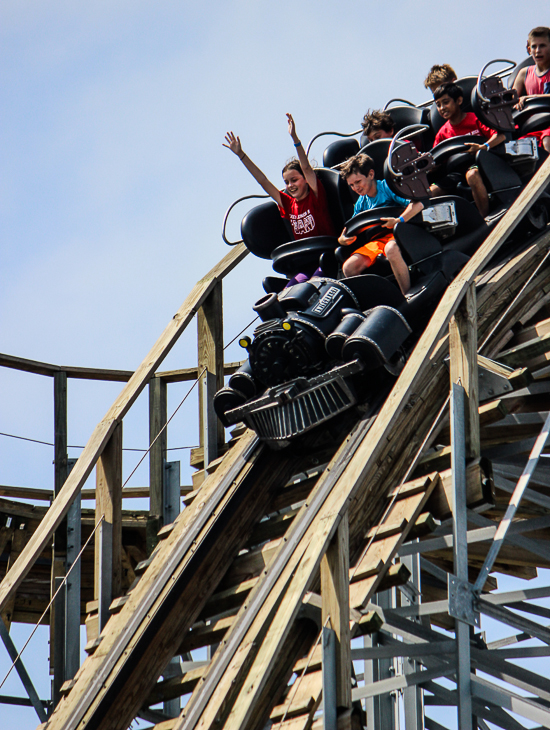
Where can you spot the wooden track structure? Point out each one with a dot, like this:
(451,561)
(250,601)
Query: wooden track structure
(274,545)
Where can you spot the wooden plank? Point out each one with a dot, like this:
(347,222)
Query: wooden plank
(179,376)
(105,374)
(109,505)
(46,495)
(174,687)
(40,495)
(463,357)
(251,564)
(526,351)
(115,414)
(206,634)
(529,333)
(479,490)
(210,353)
(335,596)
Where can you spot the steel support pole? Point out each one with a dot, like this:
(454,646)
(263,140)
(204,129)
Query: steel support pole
(386,670)
(171,509)
(72,591)
(330,720)
(372,706)
(412,696)
(58,648)
(460,550)
(172,491)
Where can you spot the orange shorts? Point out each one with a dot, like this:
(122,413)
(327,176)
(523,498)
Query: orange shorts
(373,248)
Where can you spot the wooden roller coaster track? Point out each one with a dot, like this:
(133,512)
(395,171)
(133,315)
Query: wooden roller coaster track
(275,546)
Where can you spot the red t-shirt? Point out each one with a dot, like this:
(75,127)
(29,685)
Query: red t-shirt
(308,217)
(469,125)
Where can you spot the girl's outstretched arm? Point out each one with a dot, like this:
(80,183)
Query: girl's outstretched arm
(307,169)
(234,144)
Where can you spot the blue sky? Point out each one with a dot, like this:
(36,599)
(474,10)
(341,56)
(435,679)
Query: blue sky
(114,181)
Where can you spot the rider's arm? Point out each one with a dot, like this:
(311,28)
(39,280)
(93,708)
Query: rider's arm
(412,209)
(234,144)
(307,169)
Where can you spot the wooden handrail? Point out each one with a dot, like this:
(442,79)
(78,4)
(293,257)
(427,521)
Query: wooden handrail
(105,374)
(113,417)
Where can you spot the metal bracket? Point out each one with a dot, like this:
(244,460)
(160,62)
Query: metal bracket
(492,385)
(462,601)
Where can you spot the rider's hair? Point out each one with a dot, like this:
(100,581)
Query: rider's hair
(538,32)
(452,90)
(375,120)
(293,164)
(440,74)
(358,165)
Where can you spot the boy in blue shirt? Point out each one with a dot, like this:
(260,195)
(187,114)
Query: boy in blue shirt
(358,172)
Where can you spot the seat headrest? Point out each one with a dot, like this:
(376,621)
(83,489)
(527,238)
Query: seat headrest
(263,229)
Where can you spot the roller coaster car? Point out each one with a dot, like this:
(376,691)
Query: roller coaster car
(328,344)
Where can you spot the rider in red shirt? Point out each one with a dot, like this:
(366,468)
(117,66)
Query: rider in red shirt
(448,99)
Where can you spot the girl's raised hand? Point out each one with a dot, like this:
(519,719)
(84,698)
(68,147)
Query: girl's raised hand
(233,144)
(291,126)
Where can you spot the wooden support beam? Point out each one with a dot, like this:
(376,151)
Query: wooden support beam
(115,414)
(109,503)
(210,356)
(335,595)
(463,353)
(158,415)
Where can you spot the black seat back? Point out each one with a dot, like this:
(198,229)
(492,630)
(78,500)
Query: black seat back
(467,84)
(263,229)
(524,64)
(332,184)
(339,151)
(405,116)
(347,198)
(501,181)
(378,151)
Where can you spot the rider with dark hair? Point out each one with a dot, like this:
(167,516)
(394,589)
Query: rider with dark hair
(448,99)
(377,125)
